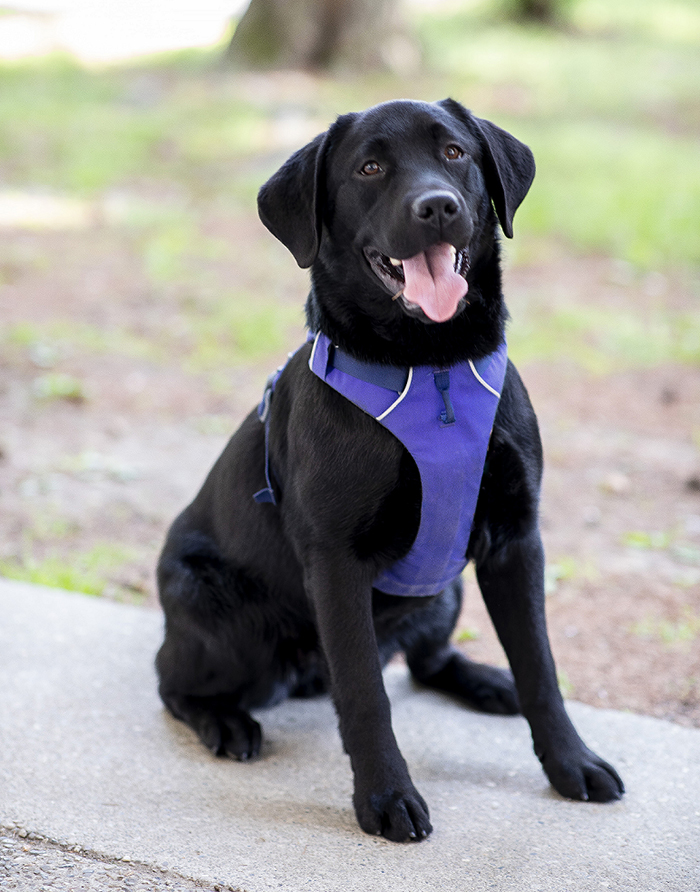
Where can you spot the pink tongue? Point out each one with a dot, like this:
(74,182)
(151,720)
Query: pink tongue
(432,283)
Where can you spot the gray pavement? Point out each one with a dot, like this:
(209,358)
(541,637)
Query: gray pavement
(100,789)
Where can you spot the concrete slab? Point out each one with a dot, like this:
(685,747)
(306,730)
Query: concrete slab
(89,757)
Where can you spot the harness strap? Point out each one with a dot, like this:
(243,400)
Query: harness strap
(267,494)
(442,382)
(389,377)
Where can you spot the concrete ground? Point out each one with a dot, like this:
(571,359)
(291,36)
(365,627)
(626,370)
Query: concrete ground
(100,789)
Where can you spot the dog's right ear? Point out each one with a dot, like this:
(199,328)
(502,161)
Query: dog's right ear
(289,205)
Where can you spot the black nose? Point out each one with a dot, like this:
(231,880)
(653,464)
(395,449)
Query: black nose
(437,206)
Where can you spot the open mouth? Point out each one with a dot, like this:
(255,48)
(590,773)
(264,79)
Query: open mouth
(431,284)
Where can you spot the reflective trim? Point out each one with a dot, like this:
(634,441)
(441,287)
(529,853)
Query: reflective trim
(481,380)
(402,395)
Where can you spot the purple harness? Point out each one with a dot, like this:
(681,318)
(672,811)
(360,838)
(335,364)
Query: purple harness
(444,418)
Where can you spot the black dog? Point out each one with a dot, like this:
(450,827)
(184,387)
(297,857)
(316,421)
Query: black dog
(393,210)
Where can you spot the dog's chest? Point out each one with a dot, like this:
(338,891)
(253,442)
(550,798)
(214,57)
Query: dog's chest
(444,418)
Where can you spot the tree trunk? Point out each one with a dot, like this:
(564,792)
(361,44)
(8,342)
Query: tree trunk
(313,34)
(547,11)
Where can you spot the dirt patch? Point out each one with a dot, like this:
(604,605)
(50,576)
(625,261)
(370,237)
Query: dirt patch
(621,526)
(113,462)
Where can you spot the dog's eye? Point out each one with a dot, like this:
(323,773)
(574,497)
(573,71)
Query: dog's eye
(453,152)
(370,168)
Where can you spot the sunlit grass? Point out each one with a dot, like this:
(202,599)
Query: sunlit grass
(72,129)
(232,329)
(610,105)
(49,342)
(616,190)
(673,21)
(603,339)
(611,111)
(88,571)
(683,631)
(238,329)
(565,73)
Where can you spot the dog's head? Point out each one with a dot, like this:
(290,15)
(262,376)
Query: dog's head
(393,208)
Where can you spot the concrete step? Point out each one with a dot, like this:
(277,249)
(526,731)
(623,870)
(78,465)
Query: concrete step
(90,759)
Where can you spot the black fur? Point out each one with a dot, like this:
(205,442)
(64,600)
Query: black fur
(265,601)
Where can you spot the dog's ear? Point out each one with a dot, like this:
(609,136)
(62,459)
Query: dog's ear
(288,203)
(509,169)
(508,164)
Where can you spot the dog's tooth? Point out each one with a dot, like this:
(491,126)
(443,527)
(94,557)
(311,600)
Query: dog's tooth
(394,262)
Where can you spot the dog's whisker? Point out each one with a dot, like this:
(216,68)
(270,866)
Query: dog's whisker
(397,295)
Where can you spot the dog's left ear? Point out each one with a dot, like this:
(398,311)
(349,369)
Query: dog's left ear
(509,165)
(288,203)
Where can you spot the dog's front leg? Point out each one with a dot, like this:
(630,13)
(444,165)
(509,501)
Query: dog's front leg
(386,802)
(511,579)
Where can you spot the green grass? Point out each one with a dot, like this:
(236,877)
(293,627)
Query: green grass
(48,342)
(643,540)
(81,131)
(616,189)
(239,329)
(561,571)
(603,339)
(673,21)
(466,634)
(59,386)
(89,571)
(610,105)
(611,108)
(225,330)
(169,250)
(565,685)
(683,631)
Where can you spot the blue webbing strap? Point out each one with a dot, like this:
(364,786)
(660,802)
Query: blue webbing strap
(442,382)
(391,377)
(267,494)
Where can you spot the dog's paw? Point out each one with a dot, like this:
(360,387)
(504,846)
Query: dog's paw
(583,775)
(492,690)
(234,734)
(397,815)
(483,687)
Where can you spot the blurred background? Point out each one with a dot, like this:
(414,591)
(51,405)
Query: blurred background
(142,304)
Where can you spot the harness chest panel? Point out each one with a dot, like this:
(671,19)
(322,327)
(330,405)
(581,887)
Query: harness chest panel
(444,418)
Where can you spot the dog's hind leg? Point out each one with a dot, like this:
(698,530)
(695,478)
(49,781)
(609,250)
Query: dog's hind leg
(219,722)
(214,663)
(435,663)
(222,727)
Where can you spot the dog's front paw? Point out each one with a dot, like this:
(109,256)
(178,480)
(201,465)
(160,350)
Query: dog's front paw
(398,815)
(581,774)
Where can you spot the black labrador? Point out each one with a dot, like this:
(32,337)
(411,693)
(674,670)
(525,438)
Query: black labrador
(263,601)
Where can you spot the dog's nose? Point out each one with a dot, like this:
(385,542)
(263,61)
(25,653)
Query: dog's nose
(437,206)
